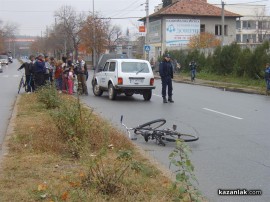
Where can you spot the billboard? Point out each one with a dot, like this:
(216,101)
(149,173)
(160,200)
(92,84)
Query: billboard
(155,31)
(179,31)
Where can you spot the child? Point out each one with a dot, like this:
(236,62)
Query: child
(70,80)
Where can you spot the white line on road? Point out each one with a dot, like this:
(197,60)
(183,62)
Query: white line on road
(157,95)
(223,113)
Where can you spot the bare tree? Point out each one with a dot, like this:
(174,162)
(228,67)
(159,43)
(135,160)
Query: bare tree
(72,23)
(113,34)
(7,35)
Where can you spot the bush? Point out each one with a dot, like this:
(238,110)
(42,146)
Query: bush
(49,96)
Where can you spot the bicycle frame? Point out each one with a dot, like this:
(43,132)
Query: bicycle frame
(131,136)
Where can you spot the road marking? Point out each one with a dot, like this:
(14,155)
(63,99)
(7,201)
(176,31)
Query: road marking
(223,113)
(157,95)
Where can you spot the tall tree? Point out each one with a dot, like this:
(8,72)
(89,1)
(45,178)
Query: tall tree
(72,23)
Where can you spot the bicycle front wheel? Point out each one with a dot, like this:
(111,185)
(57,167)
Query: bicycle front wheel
(151,125)
(172,136)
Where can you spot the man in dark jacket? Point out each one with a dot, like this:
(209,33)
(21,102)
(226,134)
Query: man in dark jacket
(39,71)
(29,68)
(166,74)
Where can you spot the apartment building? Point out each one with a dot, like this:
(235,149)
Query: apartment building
(254,26)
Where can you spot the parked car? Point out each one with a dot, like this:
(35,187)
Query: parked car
(128,76)
(4,59)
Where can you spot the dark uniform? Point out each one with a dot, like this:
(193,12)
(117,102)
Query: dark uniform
(166,74)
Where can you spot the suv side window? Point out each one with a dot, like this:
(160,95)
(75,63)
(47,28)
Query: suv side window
(112,67)
(106,67)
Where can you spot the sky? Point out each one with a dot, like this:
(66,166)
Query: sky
(33,16)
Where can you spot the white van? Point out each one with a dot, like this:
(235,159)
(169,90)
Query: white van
(128,76)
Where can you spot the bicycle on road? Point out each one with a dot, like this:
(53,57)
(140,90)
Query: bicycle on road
(151,131)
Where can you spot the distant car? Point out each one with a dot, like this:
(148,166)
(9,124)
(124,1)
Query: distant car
(4,59)
(10,59)
(128,76)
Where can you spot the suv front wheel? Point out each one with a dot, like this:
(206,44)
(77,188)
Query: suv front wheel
(112,92)
(96,90)
(147,95)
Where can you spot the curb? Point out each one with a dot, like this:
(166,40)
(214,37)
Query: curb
(223,88)
(9,131)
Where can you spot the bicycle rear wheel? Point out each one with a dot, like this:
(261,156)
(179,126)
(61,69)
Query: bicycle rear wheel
(151,125)
(172,136)
(20,85)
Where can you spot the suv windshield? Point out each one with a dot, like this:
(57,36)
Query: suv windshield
(134,67)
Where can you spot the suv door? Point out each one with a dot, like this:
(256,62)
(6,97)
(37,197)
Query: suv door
(103,75)
(111,74)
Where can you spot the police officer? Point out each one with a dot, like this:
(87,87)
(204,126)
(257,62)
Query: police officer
(166,74)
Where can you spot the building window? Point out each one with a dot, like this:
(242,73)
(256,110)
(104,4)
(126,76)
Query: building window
(249,24)
(202,28)
(238,24)
(263,24)
(249,38)
(238,38)
(218,30)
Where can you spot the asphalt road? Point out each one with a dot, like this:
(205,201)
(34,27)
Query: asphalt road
(234,145)
(9,80)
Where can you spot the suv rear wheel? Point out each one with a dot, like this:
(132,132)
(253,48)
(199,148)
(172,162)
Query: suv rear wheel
(147,95)
(112,92)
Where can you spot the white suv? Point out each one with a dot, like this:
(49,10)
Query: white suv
(128,76)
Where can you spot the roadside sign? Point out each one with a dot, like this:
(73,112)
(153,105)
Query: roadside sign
(141,28)
(147,48)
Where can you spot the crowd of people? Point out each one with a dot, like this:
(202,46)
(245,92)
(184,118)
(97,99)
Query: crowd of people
(42,70)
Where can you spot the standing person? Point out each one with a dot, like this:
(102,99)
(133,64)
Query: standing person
(267,76)
(70,80)
(48,68)
(58,76)
(81,71)
(28,71)
(52,70)
(39,71)
(65,70)
(193,67)
(166,74)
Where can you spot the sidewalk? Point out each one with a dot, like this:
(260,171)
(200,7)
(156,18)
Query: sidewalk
(218,84)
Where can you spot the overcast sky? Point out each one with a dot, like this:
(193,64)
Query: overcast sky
(33,16)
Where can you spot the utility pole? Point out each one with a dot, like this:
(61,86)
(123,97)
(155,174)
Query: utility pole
(222,23)
(94,36)
(147,28)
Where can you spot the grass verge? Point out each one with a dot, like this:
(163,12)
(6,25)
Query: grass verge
(90,161)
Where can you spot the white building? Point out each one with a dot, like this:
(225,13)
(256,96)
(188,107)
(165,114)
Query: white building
(254,26)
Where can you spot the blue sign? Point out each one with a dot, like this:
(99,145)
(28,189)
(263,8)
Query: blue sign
(146,48)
